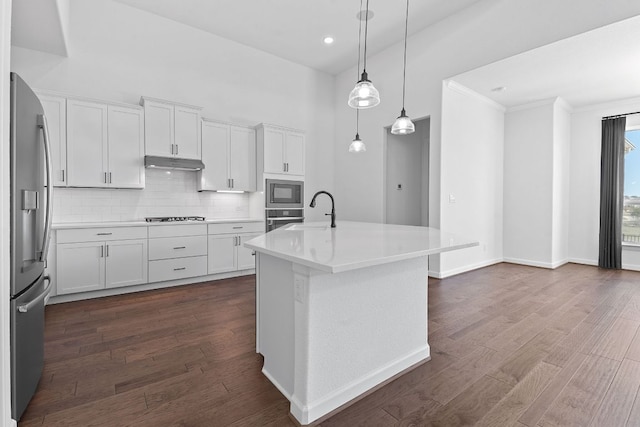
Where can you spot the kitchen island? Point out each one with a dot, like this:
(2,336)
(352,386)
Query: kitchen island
(340,311)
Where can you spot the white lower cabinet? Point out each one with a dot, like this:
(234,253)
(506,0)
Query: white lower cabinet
(92,259)
(90,266)
(177,252)
(125,263)
(222,254)
(80,267)
(226,246)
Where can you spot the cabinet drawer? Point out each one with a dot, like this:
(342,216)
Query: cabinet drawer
(177,247)
(178,268)
(177,230)
(236,227)
(100,234)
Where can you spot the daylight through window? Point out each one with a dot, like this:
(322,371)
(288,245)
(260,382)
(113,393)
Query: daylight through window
(631,210)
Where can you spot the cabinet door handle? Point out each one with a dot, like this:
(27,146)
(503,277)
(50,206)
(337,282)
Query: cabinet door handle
(180,247)
(284,167)
(171,148)
(101,251)
(107,246)
(104,234)
(105,177)
(239,227)
(62,175)
(109,177)
(228,182)
(179,268)
(177,149)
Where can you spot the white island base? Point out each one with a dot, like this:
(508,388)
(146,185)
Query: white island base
(330,331)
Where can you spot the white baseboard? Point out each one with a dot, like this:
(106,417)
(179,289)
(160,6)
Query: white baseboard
(306,414)
(464,269)
(145,287)
(584,261)
(548,265)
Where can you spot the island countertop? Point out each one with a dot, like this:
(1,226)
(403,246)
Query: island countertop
(353,245)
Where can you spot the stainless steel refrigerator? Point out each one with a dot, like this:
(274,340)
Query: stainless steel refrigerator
(31,202)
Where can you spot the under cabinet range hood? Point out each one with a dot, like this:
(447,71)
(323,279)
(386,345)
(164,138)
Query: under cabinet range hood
(173,163)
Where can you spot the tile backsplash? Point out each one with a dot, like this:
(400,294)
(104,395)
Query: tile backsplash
(166,193)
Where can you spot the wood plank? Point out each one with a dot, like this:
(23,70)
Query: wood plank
(469,407)
(537,409)
(188,354)
(508,410)
(615,344)
(514,369)
(618,402)
(577,403)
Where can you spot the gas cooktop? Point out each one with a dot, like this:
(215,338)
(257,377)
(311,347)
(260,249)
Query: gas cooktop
(174,218)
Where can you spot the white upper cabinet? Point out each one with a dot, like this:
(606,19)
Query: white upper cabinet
(242,158)
(229,157)
(171,130)
(55,109)
(187,132)
(280,150)
(104,145)
(126,148)
(87,144)
(158,129)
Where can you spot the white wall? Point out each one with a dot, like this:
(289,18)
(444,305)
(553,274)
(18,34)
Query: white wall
(528,171)
(472,150)
(119,53)
(584,209)
(561,185)
(476,36)
(536,183)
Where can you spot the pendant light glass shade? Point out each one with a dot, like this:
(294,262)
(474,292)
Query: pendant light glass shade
(357,146)
(364,94)
(403,125)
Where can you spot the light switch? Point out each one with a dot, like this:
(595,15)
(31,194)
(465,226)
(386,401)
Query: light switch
(452,198)
(399,187)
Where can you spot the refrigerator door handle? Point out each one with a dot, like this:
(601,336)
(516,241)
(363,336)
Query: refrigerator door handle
(46,235)
(23,308)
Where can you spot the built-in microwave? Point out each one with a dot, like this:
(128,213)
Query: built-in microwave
(284,194)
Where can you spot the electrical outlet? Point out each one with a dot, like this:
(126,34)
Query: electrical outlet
(452,198)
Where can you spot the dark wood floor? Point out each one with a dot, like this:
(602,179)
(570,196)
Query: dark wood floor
(510,346)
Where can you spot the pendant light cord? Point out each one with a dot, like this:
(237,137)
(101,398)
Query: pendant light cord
(366,28)
(404,72)
(359,40)
(358,70)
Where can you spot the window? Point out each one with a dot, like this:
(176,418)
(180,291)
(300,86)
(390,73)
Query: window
(631,209)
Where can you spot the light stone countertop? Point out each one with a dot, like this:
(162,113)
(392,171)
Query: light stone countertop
(353,245)
(143,223)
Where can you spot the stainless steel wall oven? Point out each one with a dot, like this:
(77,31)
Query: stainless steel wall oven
(284,203)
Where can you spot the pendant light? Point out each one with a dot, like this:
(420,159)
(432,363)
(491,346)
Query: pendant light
(364,95)
(357,146)
(403,124)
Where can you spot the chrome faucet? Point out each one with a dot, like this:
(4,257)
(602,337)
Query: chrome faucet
(333,210)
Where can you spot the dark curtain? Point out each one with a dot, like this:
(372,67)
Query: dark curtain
(611,192)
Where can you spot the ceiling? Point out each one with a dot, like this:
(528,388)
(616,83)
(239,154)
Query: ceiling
(294,29)
(593,67)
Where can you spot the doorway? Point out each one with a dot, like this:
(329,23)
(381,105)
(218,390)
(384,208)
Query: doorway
(407,176)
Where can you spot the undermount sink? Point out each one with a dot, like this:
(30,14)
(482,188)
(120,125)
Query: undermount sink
(295,227)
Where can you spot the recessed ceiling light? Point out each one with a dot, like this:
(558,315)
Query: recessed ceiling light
(499,89)
(328,40)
